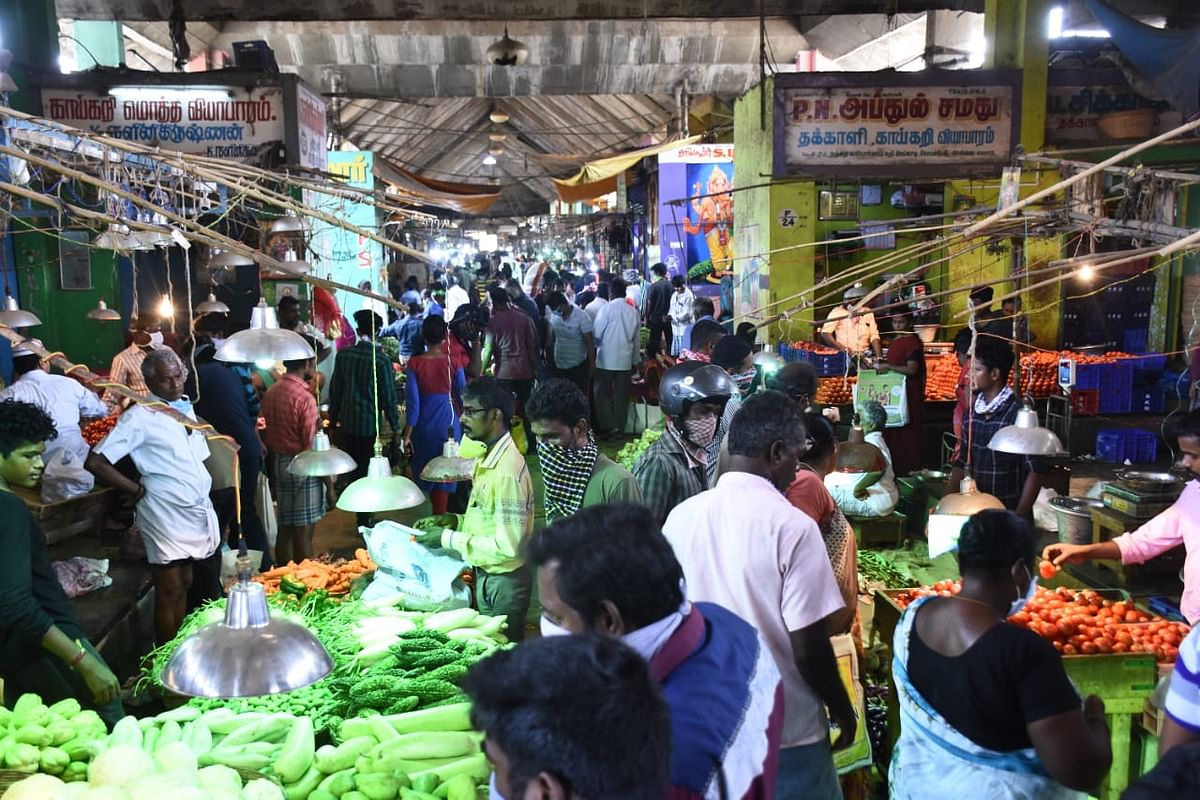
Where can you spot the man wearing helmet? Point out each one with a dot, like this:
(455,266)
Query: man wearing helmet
(854,335)
(692,396)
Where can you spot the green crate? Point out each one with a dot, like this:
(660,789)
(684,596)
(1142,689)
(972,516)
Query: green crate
(1122,680)
(887,530)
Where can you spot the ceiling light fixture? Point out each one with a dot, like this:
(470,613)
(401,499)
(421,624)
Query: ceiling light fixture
(264,341)
(7,84)
(498,116)
(1026,437)
(449,467)
(495,150)
(489,160)
(322,460)
(952,512)
(212,306)
(1086,273)
(227,259)
(12,316)
(297,264)
(507,52)
(289,223)
(380,490)
(496,136)
(114,237)
(103,313)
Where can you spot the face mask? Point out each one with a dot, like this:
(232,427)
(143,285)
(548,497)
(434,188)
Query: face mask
(744,379)
(1021,602)
(183,406)
(700,431)
(552,629)
(156,339)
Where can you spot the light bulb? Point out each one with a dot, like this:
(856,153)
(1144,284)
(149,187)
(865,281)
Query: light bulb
(165,307)
(1086,273)
(265,363)
(489,160)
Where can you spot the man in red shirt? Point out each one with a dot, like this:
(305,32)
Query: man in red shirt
(511,345)
(290,411)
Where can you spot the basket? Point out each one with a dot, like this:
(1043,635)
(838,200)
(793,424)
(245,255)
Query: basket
(1137,124)
(10,776)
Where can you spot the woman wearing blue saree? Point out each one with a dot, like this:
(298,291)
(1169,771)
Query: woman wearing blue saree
(986,708)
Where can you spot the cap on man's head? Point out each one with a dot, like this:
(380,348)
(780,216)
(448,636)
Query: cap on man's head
(855,292)
(22,350)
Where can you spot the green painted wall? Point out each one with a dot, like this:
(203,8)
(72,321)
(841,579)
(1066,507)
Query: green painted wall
(64,325)
(752,141)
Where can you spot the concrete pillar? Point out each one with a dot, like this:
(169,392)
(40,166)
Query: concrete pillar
(1017,38)
(100,43)
(29,28)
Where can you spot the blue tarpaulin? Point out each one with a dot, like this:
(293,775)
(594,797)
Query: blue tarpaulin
(1169,59)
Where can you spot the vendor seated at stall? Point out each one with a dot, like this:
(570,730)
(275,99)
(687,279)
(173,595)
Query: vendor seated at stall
(985,703)
(1014,480)
(863,485)
(43,649)
(1178,525)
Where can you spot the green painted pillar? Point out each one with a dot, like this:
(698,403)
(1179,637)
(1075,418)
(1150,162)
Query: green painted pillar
(29,28)
(1018,38)
(100,43)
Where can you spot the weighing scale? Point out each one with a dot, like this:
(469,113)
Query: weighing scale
(1141,495)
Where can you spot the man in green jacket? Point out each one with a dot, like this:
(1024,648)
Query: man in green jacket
(575,474)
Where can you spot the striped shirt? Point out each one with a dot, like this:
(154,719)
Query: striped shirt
(350,393)
(126,370)
(1183,696)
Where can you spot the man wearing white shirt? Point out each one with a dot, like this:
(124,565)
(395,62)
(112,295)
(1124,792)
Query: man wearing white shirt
(174,514)
(65,400)
(617,330)
(456,296)
(598,302)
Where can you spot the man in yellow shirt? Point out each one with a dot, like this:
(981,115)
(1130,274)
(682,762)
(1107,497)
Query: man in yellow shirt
(855,336)
(500,513)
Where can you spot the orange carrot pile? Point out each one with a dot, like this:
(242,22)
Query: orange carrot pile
(334,577)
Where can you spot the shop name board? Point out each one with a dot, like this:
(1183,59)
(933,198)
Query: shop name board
(233,127)
(1073,110)
(894,130)
(697,154)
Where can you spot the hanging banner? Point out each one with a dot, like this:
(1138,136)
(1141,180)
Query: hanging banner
(346,256)
(927,124)
(1077,99)
(225,122)
(695,216)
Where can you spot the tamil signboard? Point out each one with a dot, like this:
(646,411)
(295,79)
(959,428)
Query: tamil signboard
(221,122)
(1077,99)
(927,124)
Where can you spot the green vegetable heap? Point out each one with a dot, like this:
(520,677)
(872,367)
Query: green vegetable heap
(628,455)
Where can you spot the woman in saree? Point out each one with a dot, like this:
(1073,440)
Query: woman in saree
(984,703)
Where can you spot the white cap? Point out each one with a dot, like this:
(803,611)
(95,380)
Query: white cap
(25,351)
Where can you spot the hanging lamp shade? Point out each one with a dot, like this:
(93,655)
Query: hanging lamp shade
(495,150)
(323,460)
(769,361)
(507,51)
(497,136)
(142,241)
(289,223)
(380,490)
(1026,437)
(449,467)
(114,237)
(952,512)
(248,654)
(212,306)
(264,341)
(227,259)
(103,313)
(498,116)
(13,317)
(7,84)
(298,264)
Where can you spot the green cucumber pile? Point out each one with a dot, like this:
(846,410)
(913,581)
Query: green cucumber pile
(876,568)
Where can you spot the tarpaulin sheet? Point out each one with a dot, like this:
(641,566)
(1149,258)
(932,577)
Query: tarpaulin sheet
(461,197)
(600,177)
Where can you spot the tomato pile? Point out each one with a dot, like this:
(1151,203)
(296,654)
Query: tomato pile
(95,431)
(1083,622)
(941,377)
(835,391)
(819,349)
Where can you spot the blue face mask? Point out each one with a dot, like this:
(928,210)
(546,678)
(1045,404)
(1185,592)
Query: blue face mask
(1021,602)
(183,406)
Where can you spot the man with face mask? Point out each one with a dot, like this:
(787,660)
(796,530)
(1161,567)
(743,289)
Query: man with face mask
(771,569)
(575,473)
(692,397)
(500,513)
(126,366)
(609,571)
(174,514)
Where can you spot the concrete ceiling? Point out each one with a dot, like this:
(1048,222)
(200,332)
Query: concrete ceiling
(297,10)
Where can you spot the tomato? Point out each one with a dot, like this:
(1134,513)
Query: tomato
(1070,650)
(1020,618)
(1047,570)
(1104,645)
(1124,637)
(1121,647)
(1089,648)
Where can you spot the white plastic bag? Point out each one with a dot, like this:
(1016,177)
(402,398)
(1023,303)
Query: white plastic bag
(1044,517)
(79,575)
(428,579)
(264,504)
(65,477)
(229,563)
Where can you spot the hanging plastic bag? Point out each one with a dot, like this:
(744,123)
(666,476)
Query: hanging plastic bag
(264,504)
(428,579)
(65,477)
(79,575)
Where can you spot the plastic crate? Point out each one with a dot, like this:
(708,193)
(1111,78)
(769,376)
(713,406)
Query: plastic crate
(1115,446)
(1136,340)
(1117,376)
(1116,400)
(1089,376)
(1148,363)
(1148,400)
(1085,402)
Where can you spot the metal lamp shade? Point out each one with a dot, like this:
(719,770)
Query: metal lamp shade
(227,259)
(212,306)
(380,491)
(148,240)
(768,361)
(289,223)
(249,654)
(952,512)
(1026,437)
(13,317)
(264,341)
(449,467)
(7,84)
(297,264)
(103,313)
(322,460)
(114,237)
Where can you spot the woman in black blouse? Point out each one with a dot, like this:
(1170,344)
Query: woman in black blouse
(42,647)
(984,703)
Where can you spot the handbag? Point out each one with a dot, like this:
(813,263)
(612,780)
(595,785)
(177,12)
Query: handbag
(264,504)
